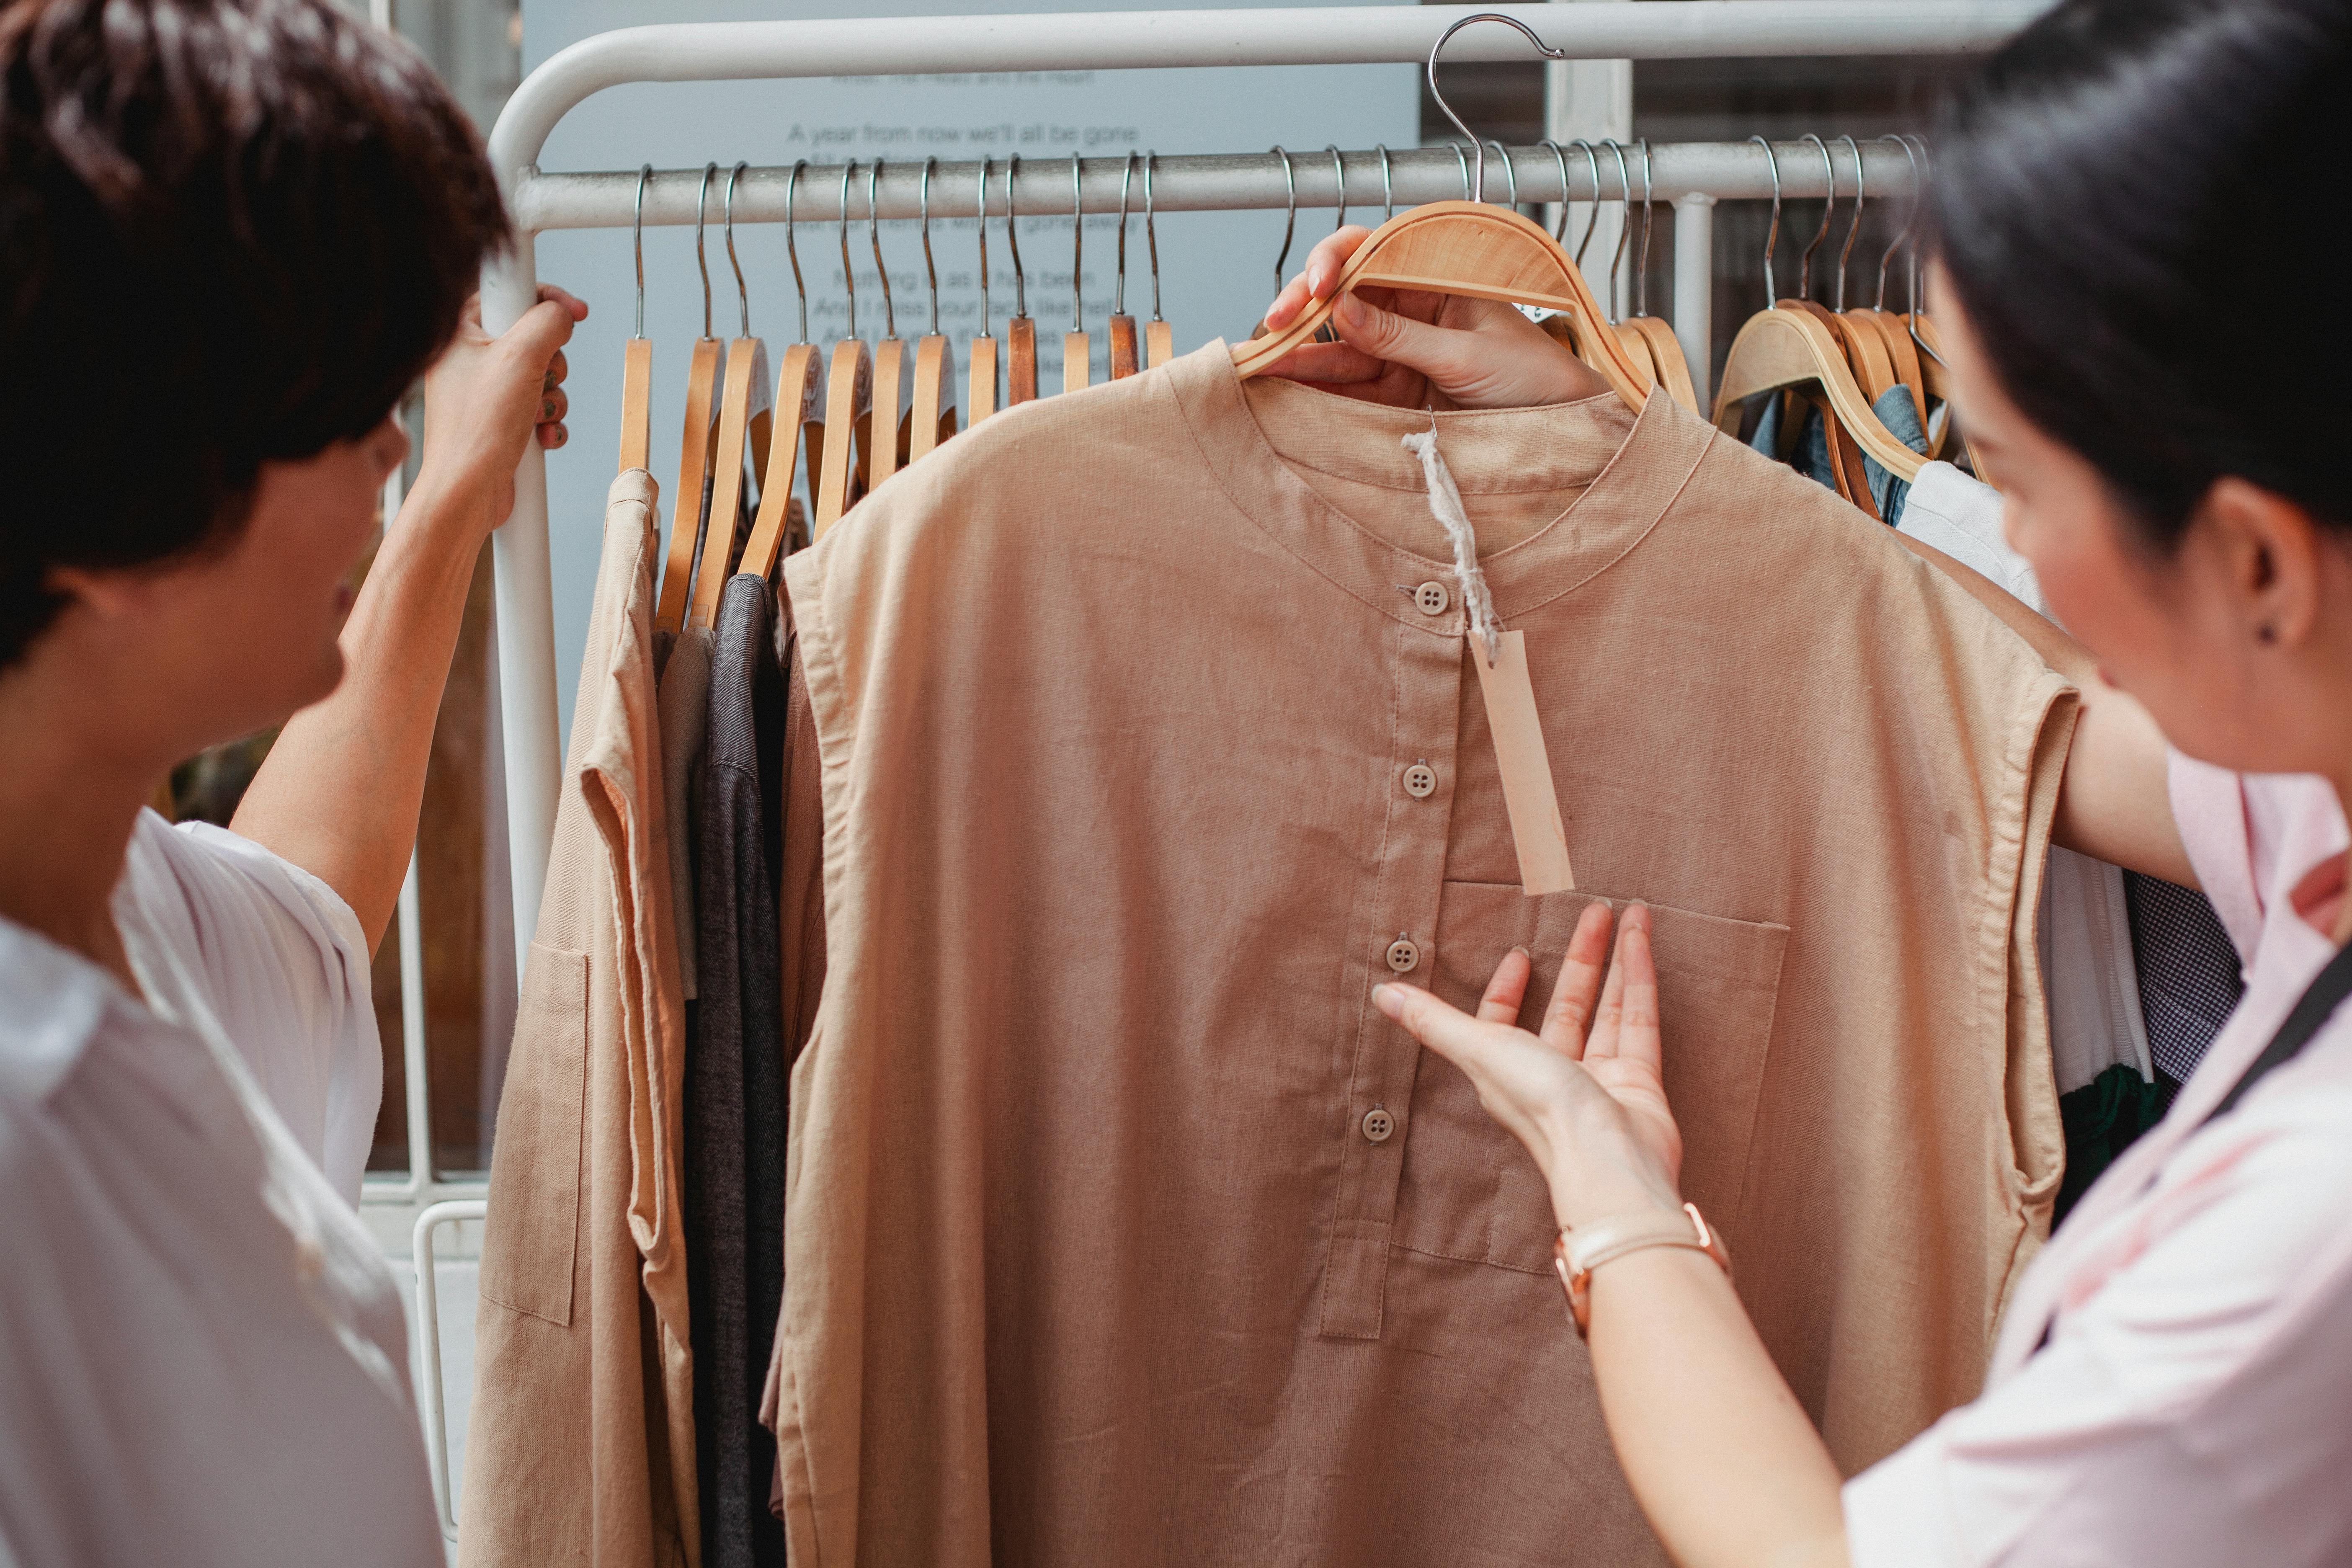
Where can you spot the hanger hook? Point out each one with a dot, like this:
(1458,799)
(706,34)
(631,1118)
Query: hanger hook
(1910,216)
(1853,227)
(1559,229)
(848,274)
(1478,185)
(1772,236)
(1290,218)
(1805,263)
(1387,182)
(1152,232)
(1510,172)
(1013,238)
(1592,218)
(1339,179)
(800,285)
(874,239)
(637,233)
(929,266)
(1118,288)
(1624,222)
(701,196)
(1641,262)
(743,295)
(985,320)
(1463,158)
(1077,248)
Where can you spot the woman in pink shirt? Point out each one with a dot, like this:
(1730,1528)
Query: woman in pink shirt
(2121,198)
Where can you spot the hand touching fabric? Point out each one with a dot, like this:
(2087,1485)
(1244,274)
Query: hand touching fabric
(1585,1093)
(1411,348)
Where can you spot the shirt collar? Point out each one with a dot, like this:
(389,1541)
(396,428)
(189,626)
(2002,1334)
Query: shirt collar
(51,1000)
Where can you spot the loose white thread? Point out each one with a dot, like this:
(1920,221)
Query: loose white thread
(1446,505)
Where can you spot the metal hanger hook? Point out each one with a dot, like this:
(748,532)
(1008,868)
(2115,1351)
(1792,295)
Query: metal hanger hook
(700,198)
(1592,218)
(1559,229)
(1077,248)
(1772,236)
(1853,226)
(743,295)
(874,239)
(1338,179)
(848,274)
(930,267)
(637,233)
(1805,263)
(1387,182)
(1624,221)
(1463,158)
(985,319)
(1290,216)
(1013,238)
(1151,231)
(1478,184)
(1118,289)
(1510,172)
(1642,261)
(800,285)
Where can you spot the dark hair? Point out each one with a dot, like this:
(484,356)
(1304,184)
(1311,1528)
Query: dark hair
(231,231)
(2136,202)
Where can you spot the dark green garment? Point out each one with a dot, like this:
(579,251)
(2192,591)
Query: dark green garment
(2103,1119)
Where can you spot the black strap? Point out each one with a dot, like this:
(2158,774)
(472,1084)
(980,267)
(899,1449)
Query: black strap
(2319,1001)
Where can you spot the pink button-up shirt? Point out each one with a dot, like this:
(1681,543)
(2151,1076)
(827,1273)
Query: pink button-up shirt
(2194,1402)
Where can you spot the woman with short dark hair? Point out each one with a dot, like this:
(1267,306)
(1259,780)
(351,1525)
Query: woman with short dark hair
(2135,205)
(232,234)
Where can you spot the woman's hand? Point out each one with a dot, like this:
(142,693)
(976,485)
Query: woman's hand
(1585,1093)
(1411,349)
(486,396)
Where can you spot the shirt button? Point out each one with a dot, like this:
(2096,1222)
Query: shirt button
(1378,1125)
(1420,781)
(1404,954)
(1434,598)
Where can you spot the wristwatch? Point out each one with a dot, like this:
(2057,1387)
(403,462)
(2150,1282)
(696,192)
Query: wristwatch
(1577,1253)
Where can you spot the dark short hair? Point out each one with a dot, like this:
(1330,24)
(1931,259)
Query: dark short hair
(2137,203)
(231,232)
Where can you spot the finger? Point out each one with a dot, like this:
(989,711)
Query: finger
(557,369)
(1443,1027)
(1287,305)
(550,437)
(549,294)
(1507,989)
(1638,1036)
(1578,989)
(1601,1041)
(553,406)
(1330,258)
(1434,351)
(544,328)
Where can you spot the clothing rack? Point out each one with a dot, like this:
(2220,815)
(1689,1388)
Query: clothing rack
(1691,175)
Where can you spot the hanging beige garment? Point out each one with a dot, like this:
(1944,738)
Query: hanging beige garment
(580,1448)
(1121,1227)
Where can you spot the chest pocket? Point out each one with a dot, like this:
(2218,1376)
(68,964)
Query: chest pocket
(1467,1189)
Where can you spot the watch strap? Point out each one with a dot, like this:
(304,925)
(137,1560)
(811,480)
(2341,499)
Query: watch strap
(1578,1251)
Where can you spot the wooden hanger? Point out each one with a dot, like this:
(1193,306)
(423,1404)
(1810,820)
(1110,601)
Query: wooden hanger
(694,449)
(980,393)
(848,403)
(799,387)
(1021,332)
(885,438)
(637,358)
(1126,349)
(1668,366)
(1077,353)
(1158,337)
(932,413)
(745,393)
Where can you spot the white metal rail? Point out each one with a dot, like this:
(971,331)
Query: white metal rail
(735,51)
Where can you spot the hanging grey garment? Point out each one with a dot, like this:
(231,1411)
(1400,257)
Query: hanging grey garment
(2188,972)
(735,1084)
(683,705)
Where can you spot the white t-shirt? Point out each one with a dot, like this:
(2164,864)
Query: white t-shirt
(2193,1405)
(203,1358)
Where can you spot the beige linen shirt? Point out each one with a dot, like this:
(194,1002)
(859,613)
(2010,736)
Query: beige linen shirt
(579,1446)
(1121,1226)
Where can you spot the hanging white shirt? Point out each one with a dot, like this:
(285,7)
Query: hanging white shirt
(2189,1406)
(203,1358)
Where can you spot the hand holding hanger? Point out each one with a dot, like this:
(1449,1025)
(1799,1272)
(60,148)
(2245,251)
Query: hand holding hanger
(1407,348)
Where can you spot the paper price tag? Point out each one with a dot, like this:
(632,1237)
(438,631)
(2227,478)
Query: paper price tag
(1537,830)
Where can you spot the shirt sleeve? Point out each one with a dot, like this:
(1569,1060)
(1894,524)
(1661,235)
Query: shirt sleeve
(290,978)
(2182,1412)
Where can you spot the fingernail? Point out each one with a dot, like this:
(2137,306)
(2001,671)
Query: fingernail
(1387,999)
(562,434)
(1523,952)
(546,408)
(547,382)
(1348,311)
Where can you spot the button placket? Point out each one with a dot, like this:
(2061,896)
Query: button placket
(1398,945)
